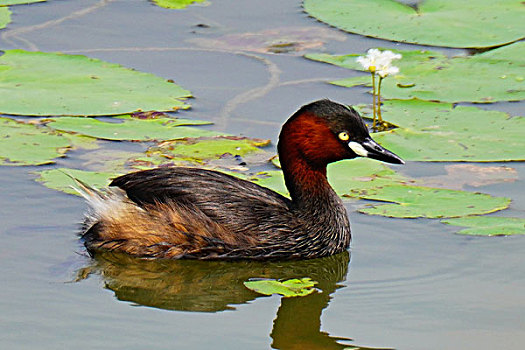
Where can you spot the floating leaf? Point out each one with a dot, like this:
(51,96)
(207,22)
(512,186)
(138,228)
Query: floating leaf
(495,75)
(224,152)
(439,132)
(368,179)
(427,202)
(27,144)
(288,288)
(489,225)
(38,83)
(60,179)
(5,17)
(127,128)
(277,40)
(473,23)
(175,4)
(18,2)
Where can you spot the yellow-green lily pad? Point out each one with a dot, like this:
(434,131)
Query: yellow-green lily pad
(495,75)
(288,288)
(44,84)
(472,23)
(175,4)
(439,132)
(489,225)
(5,17)
(133,129)
(61,179)
(214,152)
(18,2)
(27,144)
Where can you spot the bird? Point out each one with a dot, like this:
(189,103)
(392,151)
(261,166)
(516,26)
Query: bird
(193,213)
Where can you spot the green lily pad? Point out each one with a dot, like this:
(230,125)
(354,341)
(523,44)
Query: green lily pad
(288,288)
(368,179)
(128,128)
(60,179)
(439,132)
(495,75)
(18,2)
(473,23)
(427,202)
(175,4)
(43,84)
(27,144)
(489,225)
(5,17)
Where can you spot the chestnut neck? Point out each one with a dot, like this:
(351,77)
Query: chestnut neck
(314,201)
(304,163)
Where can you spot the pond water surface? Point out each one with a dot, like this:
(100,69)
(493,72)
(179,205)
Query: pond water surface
(411,284)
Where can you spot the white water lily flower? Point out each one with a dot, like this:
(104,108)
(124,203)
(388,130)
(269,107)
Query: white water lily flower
(385,71)
(389,56)
(369,62)
(377,61)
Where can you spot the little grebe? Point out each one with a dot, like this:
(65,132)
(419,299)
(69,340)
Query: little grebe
(177,212)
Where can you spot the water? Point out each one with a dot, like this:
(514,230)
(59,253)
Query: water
(411,284)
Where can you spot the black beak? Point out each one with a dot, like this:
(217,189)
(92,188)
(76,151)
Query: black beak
(375,151)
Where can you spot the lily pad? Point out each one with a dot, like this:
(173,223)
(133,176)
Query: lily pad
(133,129)
(18,2)
(489,225)
(495,75)
(43,84)
(427,202)
(216,152)
(5,17)
(175,4)
(288,288)
(27,144)
(60,179)
(473,23)
(439,132)
(368,179)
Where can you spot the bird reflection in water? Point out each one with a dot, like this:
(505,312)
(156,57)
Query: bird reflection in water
(212,286)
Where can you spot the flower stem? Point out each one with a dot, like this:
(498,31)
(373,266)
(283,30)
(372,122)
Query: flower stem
(374,101)
(379,118)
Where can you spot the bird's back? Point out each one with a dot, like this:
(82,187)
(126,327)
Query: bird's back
(194,213)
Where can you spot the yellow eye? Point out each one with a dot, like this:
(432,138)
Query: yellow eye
(343,136)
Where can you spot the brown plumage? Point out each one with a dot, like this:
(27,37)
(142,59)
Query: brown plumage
(195,213)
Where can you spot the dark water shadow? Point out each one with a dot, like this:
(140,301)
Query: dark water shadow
(187,285)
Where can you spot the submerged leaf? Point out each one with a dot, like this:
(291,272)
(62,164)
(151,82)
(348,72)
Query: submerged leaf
(127,128)
(460,175)
(27,144)
(473,23)
(288,288)
(38,83)
(489,225)
(495,75)
(277,40)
